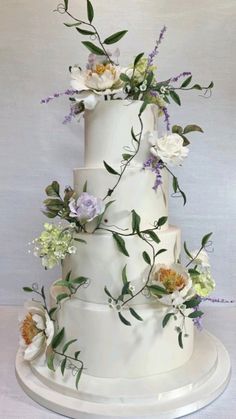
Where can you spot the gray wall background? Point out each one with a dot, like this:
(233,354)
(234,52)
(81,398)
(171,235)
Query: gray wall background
(35,53)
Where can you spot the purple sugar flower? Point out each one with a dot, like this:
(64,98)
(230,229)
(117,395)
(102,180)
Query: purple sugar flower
(167,118)
(68,92)
(154,53)
(184,74)
(155,167)
(86,208)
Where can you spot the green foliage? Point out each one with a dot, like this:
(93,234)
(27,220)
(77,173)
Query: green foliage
(57,339)
(123,320)
(194,302)
(167,318)
(67,344)
(50,361)
(53,189)
(192,128)
(205,239)
(85,31)
(90,11)
(125,78)
(160,251)
(78,376)
(120,243)
(63,365)
(146,258)
(175,97)
(180,339)
(138,58)
(157,291)
(114,38)
(195,314)
(28,289)
(187,251)
(135,314)
(154,236)
(161,221)
(93,48)
(61,297)
(110,169)
(136,220)
(124,275)
(186,82)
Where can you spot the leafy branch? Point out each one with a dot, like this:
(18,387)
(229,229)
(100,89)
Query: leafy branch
(204,242)
(101,50)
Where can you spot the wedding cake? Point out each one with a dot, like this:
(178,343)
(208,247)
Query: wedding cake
(117,337)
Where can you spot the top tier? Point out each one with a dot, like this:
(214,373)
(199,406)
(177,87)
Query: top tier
(108,132)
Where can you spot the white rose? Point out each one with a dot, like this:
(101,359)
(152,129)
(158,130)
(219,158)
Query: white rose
(37,330)
(169,149)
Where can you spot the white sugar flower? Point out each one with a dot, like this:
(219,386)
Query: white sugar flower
(98,80)
(176,281)
(201,259)
(37,331)
(169,149)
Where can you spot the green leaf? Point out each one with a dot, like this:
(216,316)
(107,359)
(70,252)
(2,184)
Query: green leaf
(93,48)
(66,4)
(50,214)
(186,82)
(80,280)
(52,311)
(138,58)
(177,129)
(211,85)
(66,346)
(192,128)
(50,361)
(162,221)
(193,272)
(126,156)
(67,278)
(28,289)
(166,319)
(61,297)
(186,141)
(90,11)
(77,354)
(108,293)
(143,107)
(58,338)
(180,339)
(53,189)
(114,38)
(157,290)
(187,251)
(196,87)
(195,314)
(63,283)
(135,314)
(175,97)
(71,25)
(85,186)
(154,236)
(125,289)
(146,257)
(205,239)
(136,220)
(120,243)
(78,377)
(126,322)
(54,204)
(63,366)
(194,302)
(85,32)
(183,196)
(133,135)
(110,169)
(124,78)
(160,251)
(124,275)
(79,240)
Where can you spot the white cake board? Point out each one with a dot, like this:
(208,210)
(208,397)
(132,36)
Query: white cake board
(170,395)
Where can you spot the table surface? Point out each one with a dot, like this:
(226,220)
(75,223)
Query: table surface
(14,403)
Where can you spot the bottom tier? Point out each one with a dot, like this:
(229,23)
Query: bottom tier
(111,349)
(170,395)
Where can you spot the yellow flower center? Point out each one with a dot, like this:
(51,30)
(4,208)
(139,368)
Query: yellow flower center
(101,68)
(29,329)
(171,279)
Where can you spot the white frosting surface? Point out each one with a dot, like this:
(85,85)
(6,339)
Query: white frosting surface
(135,191)
(101,262)
(108,131)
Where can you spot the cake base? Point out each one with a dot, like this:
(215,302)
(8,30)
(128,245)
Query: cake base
(174,394)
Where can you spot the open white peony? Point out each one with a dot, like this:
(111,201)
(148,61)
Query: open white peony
(37,331)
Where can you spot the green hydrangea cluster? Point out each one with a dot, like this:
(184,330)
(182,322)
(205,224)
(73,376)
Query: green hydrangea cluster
(141,70)
(203,283)
(53,244)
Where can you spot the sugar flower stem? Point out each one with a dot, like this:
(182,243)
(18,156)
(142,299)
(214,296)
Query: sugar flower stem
(124,167)
(96,33)
(195,257)
(128,234)
(69,357)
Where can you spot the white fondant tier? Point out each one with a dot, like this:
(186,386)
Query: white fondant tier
(135,191)
(108,131)
(101,262)
(111,349)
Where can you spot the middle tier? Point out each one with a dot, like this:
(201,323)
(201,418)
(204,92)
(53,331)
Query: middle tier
(100,261)
(135,191)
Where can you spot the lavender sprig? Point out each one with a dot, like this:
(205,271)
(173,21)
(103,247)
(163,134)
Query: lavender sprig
(68,92)
(155,167)
(167,118)
(184,74)
(217,300)
(154,53)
